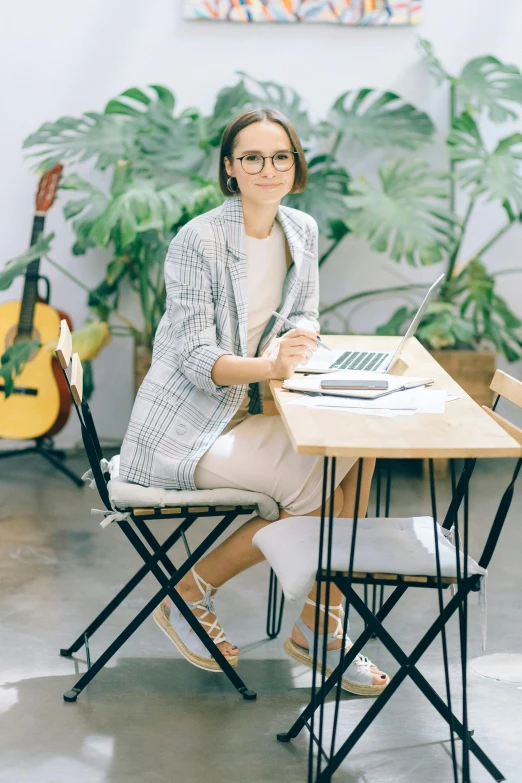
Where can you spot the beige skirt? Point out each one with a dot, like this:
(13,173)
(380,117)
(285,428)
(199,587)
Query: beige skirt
(257,455)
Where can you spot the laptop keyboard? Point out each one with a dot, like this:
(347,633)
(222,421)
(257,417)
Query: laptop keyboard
(358,360)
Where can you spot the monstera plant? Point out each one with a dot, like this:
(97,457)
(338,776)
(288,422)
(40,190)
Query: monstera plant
(412,216)
(160,167)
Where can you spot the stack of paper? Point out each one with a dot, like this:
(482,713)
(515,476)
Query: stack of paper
(405,396)
(312,383)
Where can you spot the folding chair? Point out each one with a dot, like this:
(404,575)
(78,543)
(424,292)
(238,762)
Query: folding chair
(419,554)
(131,507)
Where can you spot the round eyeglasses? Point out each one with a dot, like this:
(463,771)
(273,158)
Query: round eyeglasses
(255,163)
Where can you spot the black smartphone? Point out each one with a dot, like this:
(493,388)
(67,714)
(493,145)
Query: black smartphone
(356,385)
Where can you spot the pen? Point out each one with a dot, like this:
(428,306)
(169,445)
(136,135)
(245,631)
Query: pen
(294,326)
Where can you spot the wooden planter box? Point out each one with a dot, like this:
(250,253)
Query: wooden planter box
(473,371)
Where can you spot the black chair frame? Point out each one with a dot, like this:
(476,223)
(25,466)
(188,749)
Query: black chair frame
(133,524)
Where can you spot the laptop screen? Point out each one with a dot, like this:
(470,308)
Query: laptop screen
(412,328)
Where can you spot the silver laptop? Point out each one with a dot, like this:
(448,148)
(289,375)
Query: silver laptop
(369,361)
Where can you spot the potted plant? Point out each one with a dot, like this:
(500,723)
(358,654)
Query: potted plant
(412,215)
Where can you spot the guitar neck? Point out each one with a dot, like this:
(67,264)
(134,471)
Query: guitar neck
(30,294)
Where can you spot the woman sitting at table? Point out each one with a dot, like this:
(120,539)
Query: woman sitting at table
(194,425)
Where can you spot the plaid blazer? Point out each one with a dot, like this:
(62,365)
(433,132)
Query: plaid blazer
(179,411)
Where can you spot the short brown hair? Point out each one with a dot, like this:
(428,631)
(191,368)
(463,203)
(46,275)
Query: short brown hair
(247,118)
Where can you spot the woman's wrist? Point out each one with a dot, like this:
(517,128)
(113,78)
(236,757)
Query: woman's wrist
(268,368)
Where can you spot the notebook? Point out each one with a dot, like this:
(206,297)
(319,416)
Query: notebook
(311,384)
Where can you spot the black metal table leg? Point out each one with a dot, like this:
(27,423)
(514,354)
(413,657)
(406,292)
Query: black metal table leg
(275,608)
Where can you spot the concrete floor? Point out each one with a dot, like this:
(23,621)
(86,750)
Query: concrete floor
(150,717)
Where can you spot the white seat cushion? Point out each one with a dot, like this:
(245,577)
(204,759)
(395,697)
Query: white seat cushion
(125,495)
(383,546)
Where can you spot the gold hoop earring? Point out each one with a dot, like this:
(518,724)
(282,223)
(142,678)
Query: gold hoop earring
(231,189)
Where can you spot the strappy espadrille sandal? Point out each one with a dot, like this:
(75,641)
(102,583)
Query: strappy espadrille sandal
(174,625)
(357,678)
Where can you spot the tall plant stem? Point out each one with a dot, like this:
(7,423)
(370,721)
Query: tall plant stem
(453,258)
(374,292)
(452,164)
(330,250)
(92,293)
(335,145)
(493,239)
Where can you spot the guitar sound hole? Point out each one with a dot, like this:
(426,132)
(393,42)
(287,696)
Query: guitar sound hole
(11,337)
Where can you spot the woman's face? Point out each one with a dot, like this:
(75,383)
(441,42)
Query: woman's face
(270,184)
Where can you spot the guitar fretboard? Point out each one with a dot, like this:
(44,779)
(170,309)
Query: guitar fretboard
(25,323)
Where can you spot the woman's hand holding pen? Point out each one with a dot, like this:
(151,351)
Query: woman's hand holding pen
(287,352)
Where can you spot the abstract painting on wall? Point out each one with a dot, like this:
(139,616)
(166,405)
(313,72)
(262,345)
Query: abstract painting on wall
(343,12)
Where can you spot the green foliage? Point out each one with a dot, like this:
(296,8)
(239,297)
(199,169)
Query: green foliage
(471,315)
(17,266)
(379,119)
(332,182)
(404,217)
(163,163)
(13,360)
(487,84)
(494,175)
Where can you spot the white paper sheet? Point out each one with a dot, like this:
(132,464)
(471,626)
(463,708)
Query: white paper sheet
(406,403)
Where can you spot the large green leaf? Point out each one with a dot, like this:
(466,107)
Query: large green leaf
(496,175)
(486,83)
(249,93)
(17,266)
(324,197)
(164,144)
(13,360)
(441,326)
(86,211)
(284,99)
(135,96)
(139,207)
(92,135)
(229,103)
(380,119)
(489,313)
(404,217)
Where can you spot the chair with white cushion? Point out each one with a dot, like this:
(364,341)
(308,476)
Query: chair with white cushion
(402,553)
(131,507)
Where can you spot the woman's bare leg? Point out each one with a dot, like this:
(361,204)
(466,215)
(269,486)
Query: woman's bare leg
(349,488)
(235,555)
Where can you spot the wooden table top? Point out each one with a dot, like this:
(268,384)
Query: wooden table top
(464,430)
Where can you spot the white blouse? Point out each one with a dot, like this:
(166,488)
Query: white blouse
(268,260)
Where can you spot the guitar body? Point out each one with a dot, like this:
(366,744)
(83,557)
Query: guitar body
(36,407)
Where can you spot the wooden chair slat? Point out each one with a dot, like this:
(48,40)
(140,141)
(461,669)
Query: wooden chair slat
(77,379)
(385,576)
(144,512)
(64,347)
(510,428)
(198,510)
(508,387)
(166,511)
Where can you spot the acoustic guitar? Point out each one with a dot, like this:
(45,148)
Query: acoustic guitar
(39,404)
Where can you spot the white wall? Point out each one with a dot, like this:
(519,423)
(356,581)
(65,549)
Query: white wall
(63,58)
